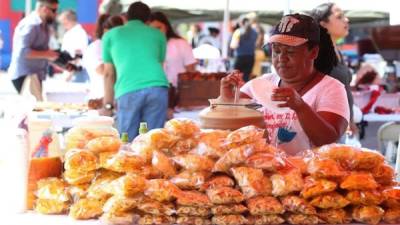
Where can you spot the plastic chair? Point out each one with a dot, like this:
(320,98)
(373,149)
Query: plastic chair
(388,132)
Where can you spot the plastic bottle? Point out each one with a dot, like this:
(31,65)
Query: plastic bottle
(125,138)
(143,128)
(125,142)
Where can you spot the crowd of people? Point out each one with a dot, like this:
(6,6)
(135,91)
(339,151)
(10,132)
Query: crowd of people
(134,60)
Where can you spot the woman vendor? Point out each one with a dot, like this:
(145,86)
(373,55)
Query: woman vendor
(317,110)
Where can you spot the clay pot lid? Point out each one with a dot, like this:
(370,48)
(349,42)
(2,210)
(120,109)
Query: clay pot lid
(226,111)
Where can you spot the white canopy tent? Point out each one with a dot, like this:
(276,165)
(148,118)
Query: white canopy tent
(285,7)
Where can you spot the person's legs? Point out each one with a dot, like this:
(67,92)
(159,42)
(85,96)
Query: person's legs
(35,87)
(18,83)
(155,107)
(129,108)
(248,65)
(244,64)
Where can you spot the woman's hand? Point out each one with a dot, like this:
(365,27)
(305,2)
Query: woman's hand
(228,83)
(289,96)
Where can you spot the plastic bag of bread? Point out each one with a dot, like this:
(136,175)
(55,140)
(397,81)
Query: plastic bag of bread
(184,146)
(366,160)
(266,161)
(144,150)
(296,162)
(262,205)
(211,143)
(229,220)
(78,191)
(228,209)
(188,180)
(49,206)
(98,187)
(225,195)
(392,197)
(265,219)
(190,220)
(121,162)
(184,128)
(161,190)
(104,144)
(78,178)
(392,216)
(193,198)
(334,216)
(79,136)
(298,205)
(128,185)
(343,154)
(156,208)
(159,139)
(80,160)
(86,208)
(193,162)
(331,200)
(314,187)
(163,164)
(243,136)
(252,181)
(325,168)
(302,219)
(217,181)
(193,211)
(53,189)
(233,157)
(359,181)
(117,204)
(156,220)
(150,172)
(368,214)
(383,174)
(287,182)
(106,175)
(372,197)
(120,218)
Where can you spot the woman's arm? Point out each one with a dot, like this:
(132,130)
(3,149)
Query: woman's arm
(321,127)
(228,85)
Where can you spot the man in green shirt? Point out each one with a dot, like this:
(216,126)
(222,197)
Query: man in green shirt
(133,55)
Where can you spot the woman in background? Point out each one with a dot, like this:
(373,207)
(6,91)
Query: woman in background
(332,17)
(92,56)
(179,57)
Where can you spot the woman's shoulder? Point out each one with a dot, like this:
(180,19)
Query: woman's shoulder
(178,41)
(330,82)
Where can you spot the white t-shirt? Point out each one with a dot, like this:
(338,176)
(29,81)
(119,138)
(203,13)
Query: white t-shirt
(179,55)
(328,95)
(91,60)
(75,39)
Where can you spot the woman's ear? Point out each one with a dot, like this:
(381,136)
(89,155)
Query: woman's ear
(323,24)
(314,52)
